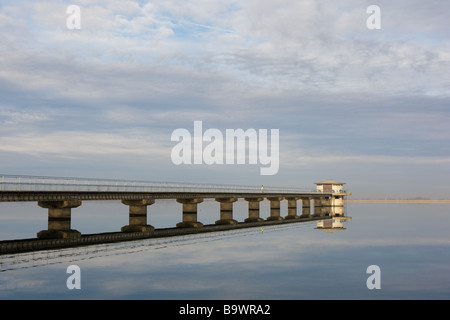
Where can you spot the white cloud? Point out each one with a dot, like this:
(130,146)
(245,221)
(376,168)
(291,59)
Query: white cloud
(367,159)
(307,45)
(13,118)
(79,144)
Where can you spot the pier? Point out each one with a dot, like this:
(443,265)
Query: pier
(61,196)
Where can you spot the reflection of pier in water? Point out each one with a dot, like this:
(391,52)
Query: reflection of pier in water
(33,259)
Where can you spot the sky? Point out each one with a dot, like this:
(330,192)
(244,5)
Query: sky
(370,107)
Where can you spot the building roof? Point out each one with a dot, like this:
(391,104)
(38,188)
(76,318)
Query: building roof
(329,181)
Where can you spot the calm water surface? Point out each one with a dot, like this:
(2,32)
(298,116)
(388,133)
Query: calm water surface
(409,242)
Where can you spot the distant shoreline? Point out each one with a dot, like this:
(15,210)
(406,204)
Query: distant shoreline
(399,201)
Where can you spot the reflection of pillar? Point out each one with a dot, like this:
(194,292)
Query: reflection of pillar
(337,211)
(226,211)
(320,211)
(59,216)
(292,208)
(253,210)
(275,209)
(190,213)
(138,215)
(326,211)
(306,207)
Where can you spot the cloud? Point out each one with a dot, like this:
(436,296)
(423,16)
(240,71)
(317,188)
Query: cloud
(309,46)
(13,118)
(79,144)
(368,159)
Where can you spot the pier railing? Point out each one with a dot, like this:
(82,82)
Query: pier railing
(42,183)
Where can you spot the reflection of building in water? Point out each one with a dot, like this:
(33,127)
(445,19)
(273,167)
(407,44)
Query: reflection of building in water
(332,225)
(337,220)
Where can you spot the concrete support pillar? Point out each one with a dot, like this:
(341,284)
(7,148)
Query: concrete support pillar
(253,210)
(320,206)
(306,207)
(292,208)
(190,213)
(317,202)
(226,211)
(138,216)
(275,209)
(326,201)
(338,201)
(59,219)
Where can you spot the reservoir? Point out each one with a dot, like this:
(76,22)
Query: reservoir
(409,242)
